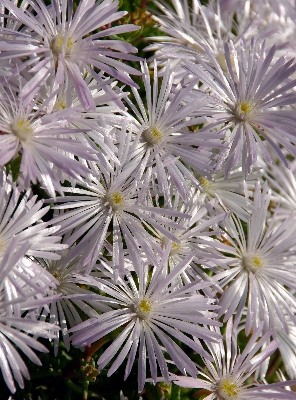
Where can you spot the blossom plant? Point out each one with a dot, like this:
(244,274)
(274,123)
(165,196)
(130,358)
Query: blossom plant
(147,201)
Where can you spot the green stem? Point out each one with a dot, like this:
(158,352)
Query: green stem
(72,386)
(37,375)
(85,390)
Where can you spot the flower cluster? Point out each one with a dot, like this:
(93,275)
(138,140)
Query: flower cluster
(169,225)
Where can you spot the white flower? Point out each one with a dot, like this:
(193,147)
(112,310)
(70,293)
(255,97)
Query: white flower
(195,235)
(250,98)
(225,378)
(283,183)
(162,138)
(42,141)
(192,29)
(146,310)
(19,285)
(112,201)
(20,217)
(287,346)
(61,44)
(262,268)
(64,311)
(232,192)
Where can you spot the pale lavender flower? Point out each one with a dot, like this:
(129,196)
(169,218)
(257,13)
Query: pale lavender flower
(146,310)
(273,20)
(261,269)
(250,99)
(112,201)
(287,347)
(20,216)
(283,184)
(163,138)
(25,284)
(18,287)
(12,332)
(59,43)
(42,141)
(98,125)
(195,235)
(237,6)
(232,193)
(191,29)
(106,95)
(64,311)
(225,378)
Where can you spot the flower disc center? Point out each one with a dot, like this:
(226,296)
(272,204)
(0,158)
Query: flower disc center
(227,390)
(116,200)
(22,128)
(60,105)
(175,249)
(58,44)
(252,262)
(244,111)
(144,308)
(204,182)
(153,136)
(57,275)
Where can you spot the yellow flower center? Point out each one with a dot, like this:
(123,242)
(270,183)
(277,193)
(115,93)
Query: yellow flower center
(143,309)
(227,390)
(60,105)
(257,261)
(153,136)
(56,275)
(22,128)
(246,107)
(116,200)
(176,247)
(244,111)
(252,262)
(58,43)
(70,43)
(204,182)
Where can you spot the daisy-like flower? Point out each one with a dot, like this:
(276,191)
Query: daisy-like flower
(20,217)
(192,29)
(64,311)
(112,201)
(232,193)
(287,347)
(262,268)
(237,6)
(162,136)
(196,236)
(249,99)
(17,287)
(146,311)
(59,43)
(106,95)
(225,378)
(42,141)
(282,181)
(98,125)
(23,283)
